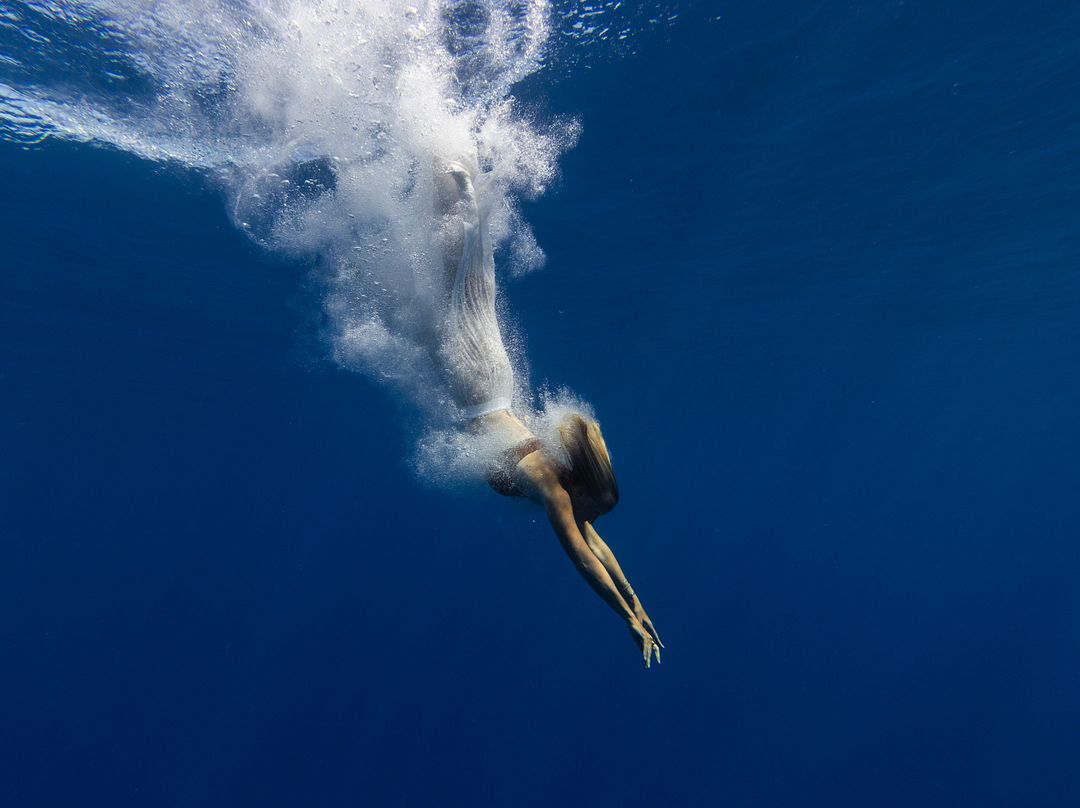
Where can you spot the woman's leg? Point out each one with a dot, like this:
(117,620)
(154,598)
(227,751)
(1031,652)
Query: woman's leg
(473,351)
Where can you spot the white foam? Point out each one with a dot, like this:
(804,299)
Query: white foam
(321,120)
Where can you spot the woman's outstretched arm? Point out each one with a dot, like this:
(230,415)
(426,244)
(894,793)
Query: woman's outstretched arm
(560,513)
(606,557)
(535,477)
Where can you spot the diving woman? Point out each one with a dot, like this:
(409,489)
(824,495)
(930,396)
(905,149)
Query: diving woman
(572,480)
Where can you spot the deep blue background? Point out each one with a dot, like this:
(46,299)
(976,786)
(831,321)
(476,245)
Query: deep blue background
(818,269)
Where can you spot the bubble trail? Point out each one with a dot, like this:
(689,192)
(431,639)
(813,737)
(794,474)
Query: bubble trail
(321,121)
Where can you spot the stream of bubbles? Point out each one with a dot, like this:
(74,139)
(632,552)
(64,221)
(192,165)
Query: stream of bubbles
(322,122)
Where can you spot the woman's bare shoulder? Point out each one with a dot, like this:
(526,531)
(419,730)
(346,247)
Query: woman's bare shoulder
(537,476)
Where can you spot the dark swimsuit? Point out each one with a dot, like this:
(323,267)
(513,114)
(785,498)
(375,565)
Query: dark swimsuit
(501,473)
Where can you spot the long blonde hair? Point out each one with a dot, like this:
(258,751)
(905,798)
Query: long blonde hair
(589,462)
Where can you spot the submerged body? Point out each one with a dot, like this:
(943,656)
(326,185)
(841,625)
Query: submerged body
(573,491)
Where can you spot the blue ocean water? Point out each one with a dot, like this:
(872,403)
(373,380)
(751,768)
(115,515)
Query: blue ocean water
(817,268)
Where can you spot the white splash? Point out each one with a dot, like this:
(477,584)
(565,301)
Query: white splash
(322,121)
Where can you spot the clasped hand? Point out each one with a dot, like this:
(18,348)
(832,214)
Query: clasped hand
(644,634)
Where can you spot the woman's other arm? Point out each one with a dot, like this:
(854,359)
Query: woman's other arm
(606,557)
(560,513)
(535,478)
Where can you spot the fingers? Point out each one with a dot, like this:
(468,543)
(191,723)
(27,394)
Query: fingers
(652,631)
(646,644)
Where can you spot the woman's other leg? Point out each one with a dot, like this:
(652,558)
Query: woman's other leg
(473,351)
